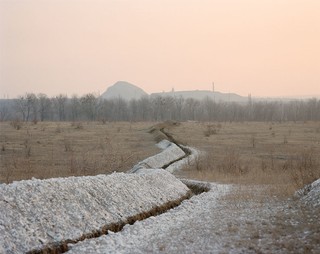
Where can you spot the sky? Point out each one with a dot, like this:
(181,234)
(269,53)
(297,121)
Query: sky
(265,47)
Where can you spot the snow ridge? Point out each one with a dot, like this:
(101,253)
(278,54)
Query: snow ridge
(310,194)
(39,213)
(171,153)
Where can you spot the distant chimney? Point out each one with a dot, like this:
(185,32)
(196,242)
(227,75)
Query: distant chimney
(213,87)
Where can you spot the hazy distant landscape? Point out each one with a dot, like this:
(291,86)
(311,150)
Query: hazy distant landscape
(126,102)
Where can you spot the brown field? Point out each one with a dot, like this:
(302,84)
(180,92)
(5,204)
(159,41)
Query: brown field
(59,149)
(284,154)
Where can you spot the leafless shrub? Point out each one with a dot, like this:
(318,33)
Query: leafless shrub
(212,129)
(77,125)
(73,164)
(9,171)
(253,140)
(58,128)
(67,145)
(43,128)
(27,147)
(305,168)
(17,124)
(199,163)
(232,163)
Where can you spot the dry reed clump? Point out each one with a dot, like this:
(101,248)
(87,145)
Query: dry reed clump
(77,125)
(304,167)
(212,129)
(206,165)
(16,124)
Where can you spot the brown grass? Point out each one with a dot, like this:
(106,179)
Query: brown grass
(52,149)
(282,154)
(285,155)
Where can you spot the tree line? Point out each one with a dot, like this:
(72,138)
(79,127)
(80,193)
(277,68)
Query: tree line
(32,107)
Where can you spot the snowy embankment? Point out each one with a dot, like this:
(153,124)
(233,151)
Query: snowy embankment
(194,153)
(172,158)
(222,220)
(152,235)
(310,194)
(170,154)
(41,214)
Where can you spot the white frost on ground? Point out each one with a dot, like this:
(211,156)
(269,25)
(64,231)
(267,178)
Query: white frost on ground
(216,222)
(35,212)
(171,152)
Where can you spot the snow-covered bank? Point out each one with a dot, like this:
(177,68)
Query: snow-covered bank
(222,220)
(310,194)
(37,213)
(194,153)
(148,236)
(172,158)
(171,153)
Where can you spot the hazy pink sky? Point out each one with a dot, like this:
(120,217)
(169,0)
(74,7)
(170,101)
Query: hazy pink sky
(262,47)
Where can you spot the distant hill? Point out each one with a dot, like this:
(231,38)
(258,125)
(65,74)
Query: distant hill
(128,91)
(124,90)
(201,94)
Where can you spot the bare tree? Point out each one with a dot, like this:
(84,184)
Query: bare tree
(4,110)
(44,106)
(75,108)
(60,106)
(144,108)
(89,103)
(26,105)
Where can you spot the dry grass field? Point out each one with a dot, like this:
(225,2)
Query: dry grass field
(59,149)
(285,154)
